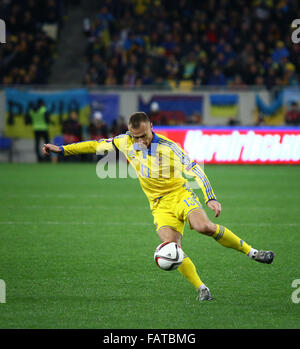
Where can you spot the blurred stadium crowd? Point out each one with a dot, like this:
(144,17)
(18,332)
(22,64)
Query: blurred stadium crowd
(193,43)
(159,43)
(28,54)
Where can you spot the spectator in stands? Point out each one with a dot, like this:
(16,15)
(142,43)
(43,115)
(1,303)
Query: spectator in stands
(97,127)
(40,122)
(279,52)
(289,75)
(217,78)
(27,44)
(147,77)
(189,66)
(260,121)
(156,116)
(172,68)
(292,116)
(130,77)
(251,40)
(244,40)
(72,129)
(119,126)
(110,79)
(200,78)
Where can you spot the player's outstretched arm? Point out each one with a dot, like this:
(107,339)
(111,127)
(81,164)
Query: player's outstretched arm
(85,147)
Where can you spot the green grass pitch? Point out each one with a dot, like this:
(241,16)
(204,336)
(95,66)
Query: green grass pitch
(77,252)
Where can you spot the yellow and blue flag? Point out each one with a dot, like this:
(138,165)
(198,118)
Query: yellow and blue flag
(224,105)
(58,104)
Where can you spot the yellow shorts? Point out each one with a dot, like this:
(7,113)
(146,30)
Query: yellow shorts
(173,209)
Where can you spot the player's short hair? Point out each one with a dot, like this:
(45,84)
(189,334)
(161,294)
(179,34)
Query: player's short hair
(136,119)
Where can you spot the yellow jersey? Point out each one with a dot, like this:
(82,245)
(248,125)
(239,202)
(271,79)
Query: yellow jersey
(159,168)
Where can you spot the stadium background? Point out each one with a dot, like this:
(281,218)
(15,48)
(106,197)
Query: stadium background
(223,68)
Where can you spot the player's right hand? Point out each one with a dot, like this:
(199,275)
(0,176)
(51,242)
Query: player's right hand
(215,206)
(47,148)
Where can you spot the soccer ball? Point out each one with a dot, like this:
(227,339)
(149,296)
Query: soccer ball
(168,256)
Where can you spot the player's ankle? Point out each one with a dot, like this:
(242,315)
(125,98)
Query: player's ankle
(202,286)
(252,253)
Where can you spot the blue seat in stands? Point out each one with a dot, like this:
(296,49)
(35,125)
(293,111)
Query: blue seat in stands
(5,143)
(6,146)
(58,140)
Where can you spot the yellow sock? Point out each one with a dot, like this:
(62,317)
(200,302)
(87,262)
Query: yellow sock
(188,270)
(227,238)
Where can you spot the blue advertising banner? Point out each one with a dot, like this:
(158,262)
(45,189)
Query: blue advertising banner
(107,104)
(173,109)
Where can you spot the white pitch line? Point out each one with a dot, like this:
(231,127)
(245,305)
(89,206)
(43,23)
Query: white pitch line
(138,223)
(72,223)
(136,207)
(133,195)
(82,207)
(66,196)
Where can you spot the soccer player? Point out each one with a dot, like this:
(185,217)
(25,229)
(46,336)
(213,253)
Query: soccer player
(160,164)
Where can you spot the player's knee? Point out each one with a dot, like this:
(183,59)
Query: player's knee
(206,228)
(168,234)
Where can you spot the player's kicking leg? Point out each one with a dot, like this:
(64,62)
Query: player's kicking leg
(187,268)
(200,222)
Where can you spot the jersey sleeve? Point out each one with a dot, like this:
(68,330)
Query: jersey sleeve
(191,168)
(88,147)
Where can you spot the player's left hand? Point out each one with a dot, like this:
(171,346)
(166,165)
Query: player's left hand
(215,206)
